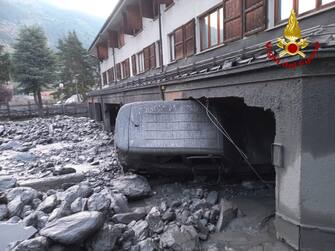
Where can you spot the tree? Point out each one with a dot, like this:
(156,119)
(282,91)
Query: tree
(4,66)
(33,62)
(77,70)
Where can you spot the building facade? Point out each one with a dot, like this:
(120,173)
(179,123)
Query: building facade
(216,50)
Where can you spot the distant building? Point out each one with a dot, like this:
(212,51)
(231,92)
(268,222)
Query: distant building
(216,50)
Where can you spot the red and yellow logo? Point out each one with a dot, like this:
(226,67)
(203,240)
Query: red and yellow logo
(292,44)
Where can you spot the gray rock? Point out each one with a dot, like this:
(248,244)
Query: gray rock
(15,207)
(29,157)
(200,204)
(119,203)
(36,244)
(3,212)
(169,215)
(154,220)
(227,213)
(79,204)
(49,204)
(126,218)
(98,202)
(105,239)
(75,192)
(14,219)
(183,239)
(212,197)
(36,202)
(26,194)
(141,230)
(74,228)
(7,182)
(64,171)
(37,219)
(133,186)
(3,198)
(147,245)
(62,211)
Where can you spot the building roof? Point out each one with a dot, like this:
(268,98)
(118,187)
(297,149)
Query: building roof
(204,66)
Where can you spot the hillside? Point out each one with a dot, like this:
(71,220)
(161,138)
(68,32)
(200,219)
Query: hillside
(55,21)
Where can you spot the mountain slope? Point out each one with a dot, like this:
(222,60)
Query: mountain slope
(56,22)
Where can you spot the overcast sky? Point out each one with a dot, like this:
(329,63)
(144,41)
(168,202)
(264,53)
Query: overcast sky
(100,8)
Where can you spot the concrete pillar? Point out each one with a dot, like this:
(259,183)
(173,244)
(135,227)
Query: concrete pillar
(312,184)
(106,118)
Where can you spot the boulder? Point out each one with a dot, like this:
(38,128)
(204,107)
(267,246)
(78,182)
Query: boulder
(98,202)
(15,207)
(26,194)
(36,244)
(132,186)
(37,219)
(126,218)
(169,215)
(3,212)
(105,239)
(154,220)
(183,239)
(75,192)
(147,245)
(227,213)
(212,197)
(74,228)
(119,203)
(141,230)
(7,182)
(79,204)
(49,204)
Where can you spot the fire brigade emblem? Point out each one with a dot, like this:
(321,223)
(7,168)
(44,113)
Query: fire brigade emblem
(292,43)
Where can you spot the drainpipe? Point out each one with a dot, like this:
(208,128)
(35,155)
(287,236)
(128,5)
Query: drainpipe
(115,79)
(160,36)
(161,88)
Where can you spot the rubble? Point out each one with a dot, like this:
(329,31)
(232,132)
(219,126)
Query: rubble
(103,209)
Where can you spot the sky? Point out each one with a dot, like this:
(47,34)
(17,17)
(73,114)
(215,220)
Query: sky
(99,8)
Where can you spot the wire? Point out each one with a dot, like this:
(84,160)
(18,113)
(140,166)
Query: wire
(219,126)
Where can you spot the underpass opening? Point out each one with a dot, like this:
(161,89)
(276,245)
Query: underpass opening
(98,112)
(111,111)
(252,129)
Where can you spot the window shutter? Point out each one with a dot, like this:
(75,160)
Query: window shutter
(152,56)
(146,54)
(233,19)
(159,53)
(133,65)
(113,39)
(102,51)
(110,75)
(179,43)
(189,38)
(254,16)
(104,78)
(147,8)
(127,63)
(118,71)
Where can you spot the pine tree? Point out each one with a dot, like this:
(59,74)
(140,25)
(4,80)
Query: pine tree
(33,62)
(4,66)
(77,70)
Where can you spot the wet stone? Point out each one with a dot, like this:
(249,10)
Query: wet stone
(126,218)
(3,212)
(7,182)
(36,244)
(132,186)
(74,228)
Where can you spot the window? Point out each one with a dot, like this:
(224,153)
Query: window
(140,62)
(168,3)
(172,51)
(301,7)
(125,69)
(182,41)
(212,29)
(110,74)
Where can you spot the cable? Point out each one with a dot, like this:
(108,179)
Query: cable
(219,126)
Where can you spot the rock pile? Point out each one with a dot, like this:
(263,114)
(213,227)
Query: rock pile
(99,218)
(55,146)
